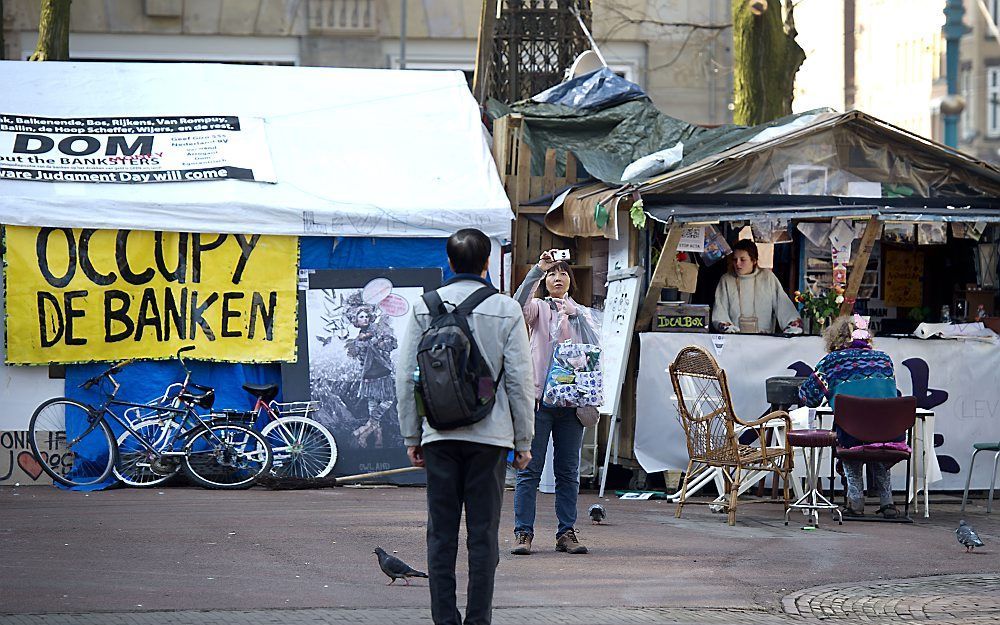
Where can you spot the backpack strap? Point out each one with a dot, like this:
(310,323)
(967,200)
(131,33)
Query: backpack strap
(477,297)
(433,302)
(463,310)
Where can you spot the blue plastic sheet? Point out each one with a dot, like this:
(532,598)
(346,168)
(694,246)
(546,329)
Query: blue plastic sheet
(596,90)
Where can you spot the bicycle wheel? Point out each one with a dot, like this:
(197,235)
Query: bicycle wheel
(224,456)
(135,465)
(74,446)
(302,447)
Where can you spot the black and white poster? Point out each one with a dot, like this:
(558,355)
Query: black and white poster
(133,150)
(351,326)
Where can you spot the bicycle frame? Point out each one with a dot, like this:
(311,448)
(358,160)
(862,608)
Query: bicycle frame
(164,412)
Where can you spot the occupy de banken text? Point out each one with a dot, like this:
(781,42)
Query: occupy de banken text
(162,312)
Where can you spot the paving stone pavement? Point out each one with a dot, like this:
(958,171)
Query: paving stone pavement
(941,598)
(944,600)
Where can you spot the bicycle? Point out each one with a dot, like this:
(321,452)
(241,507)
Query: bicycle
(302,446)
(212,454)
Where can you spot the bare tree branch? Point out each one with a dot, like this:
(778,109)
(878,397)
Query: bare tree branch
(691,25)
(790,29)
(627,20)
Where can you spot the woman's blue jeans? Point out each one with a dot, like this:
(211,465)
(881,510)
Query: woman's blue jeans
(567,438)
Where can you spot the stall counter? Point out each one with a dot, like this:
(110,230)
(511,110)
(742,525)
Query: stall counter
(957,379)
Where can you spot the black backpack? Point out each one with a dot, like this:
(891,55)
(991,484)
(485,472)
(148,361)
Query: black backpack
(455,383)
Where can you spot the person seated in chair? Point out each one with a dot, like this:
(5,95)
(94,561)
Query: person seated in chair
(854,367)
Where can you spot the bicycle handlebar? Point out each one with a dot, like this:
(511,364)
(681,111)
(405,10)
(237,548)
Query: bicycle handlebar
(121,365)
(180,358)
(108,372)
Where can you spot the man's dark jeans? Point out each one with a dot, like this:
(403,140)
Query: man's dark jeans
(470,474)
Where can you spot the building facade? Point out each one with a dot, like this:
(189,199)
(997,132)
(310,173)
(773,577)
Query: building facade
(979,82)
(685,69)
(882,57)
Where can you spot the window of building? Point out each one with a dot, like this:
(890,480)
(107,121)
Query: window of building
(993,101)
(967,124)
(994,7)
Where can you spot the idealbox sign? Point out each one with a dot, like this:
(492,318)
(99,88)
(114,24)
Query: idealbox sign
(133,149)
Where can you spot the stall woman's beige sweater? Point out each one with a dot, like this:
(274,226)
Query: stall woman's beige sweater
(762,295)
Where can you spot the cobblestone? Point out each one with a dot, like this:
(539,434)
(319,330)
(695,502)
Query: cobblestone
(944,600)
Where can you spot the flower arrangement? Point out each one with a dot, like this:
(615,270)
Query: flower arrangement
(823,307)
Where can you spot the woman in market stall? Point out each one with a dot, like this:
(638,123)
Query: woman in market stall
(750,299)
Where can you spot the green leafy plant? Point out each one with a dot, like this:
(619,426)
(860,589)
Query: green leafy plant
(823,307)
(638,214)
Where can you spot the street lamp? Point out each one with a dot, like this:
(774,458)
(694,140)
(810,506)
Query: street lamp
(953,104)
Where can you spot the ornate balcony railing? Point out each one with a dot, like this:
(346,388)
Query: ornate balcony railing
(343,16)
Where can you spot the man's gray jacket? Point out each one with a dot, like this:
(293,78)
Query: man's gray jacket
(499,331)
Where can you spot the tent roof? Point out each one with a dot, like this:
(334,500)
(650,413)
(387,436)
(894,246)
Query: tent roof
(857,141)
(917,178)
(356,152)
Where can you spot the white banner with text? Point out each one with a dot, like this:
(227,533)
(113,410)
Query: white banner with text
(133,149)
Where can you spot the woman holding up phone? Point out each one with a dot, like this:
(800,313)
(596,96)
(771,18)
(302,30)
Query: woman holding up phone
(551,316)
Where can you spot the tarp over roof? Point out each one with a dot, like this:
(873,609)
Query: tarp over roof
(810,167)
(605,140)
(356,152)
(829,153)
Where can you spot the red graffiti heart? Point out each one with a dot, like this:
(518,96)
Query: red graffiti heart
(29,465)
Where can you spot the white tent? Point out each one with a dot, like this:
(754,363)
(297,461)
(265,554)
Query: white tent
(356,152)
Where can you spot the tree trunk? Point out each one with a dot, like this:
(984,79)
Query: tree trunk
(3,49)
(765,60)
(53,32)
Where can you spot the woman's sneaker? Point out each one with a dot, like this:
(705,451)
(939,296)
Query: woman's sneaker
(522,544)
(569,543)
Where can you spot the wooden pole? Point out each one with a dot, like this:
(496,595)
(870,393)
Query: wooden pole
(377,474)
(484,50)
(664,266)
(857,274)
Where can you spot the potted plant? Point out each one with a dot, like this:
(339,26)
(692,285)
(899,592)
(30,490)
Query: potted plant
(819,309)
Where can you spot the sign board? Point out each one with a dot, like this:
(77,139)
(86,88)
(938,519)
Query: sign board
(692,239)
(133,149)
(96,295)
(620,309)
(904,272)
(681,318)
(18,465)
(353,322)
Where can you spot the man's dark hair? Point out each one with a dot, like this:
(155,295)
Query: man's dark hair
(468,251)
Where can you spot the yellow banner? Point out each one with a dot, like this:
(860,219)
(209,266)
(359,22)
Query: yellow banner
(89,295)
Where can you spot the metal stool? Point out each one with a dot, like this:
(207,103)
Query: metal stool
(813,500)
(982,447)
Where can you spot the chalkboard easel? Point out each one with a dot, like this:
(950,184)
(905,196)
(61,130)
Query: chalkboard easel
(620,309)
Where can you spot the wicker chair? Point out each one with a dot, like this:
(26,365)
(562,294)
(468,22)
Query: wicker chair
(712,429)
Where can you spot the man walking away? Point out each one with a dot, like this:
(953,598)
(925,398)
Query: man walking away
(465,455)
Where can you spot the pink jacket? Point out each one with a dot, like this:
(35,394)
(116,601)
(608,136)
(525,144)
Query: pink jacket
(538,315)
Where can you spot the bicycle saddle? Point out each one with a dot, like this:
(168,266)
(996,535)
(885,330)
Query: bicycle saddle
(266,392)
(203,400)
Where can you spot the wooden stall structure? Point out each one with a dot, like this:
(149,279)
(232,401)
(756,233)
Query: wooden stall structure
(531,197)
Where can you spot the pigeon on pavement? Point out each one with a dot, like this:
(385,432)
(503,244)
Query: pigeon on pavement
(597,513)
(396,568)
(968,536)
